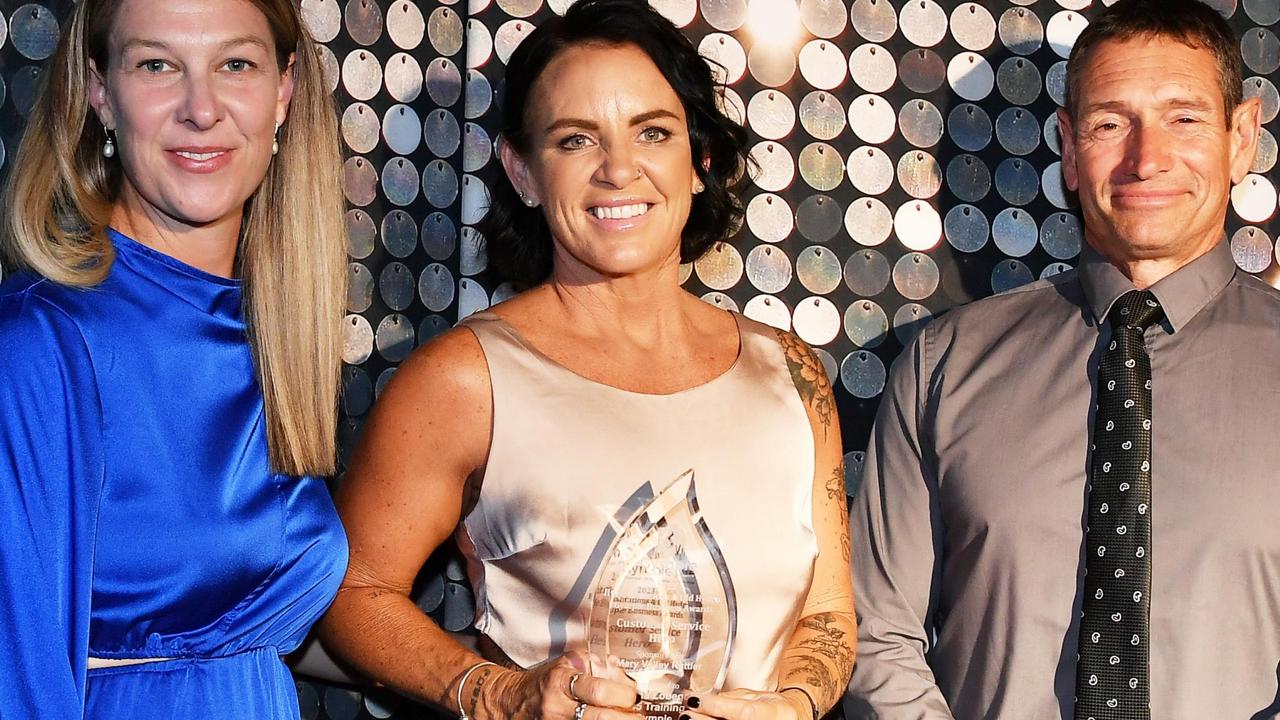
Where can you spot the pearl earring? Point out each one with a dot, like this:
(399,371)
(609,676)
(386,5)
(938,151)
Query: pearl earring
(527,200)
(275,142)
(109,147)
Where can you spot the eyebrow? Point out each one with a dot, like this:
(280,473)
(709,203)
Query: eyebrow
(161,45)
(1175,104)
(591,125)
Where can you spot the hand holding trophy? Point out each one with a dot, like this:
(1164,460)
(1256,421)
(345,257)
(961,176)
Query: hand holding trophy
(574,686)
(663,603)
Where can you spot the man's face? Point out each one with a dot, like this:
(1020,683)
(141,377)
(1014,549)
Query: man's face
(1152,151)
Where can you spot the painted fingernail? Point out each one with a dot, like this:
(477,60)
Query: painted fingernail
(694,702)
(685,717)
(637,702)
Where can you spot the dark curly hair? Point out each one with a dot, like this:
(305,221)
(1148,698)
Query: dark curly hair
(517,239)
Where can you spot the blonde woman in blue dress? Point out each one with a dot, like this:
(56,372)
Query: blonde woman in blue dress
(169,344)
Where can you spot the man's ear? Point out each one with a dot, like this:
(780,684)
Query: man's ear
(1066,129)
(1246,126)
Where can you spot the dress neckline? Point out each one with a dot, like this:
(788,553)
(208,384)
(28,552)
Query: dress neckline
(710,382)
(212,294)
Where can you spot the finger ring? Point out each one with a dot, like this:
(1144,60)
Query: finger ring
(573,684)
(579,711)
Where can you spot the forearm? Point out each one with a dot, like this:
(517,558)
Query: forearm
(314,660)
(384,635)
(819,657)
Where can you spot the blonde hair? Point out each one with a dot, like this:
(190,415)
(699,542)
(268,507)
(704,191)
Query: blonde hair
(292,252)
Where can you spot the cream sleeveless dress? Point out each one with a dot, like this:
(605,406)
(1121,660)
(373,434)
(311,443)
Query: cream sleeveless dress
(568,457)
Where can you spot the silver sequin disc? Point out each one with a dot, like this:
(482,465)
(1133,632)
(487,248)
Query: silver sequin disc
(361,234)
(872,119)
(966,228)
(915,276)
(970,127)
(444,82)
(400,181)
(923,22)
(862,373)
(868,221)
(1063,29)
(403,77)
(872,68)
(768,310)
(920,123)
(874,20)
(919,174)
(865,323)
(821,115)
(1254,199)
(867,273)
(822,64)
(973,27)
(769,217)
(1021,31)
(1061,236)
(720,268)
(439,236)
(1019,81)
(818,269)
(819,218)
(968,178)
(816,320)
(768,268)
(771,114)
(1014,231)
(1017,181)
(917,225)
(970,76)
(1009,274)
(870,170)
(821,166)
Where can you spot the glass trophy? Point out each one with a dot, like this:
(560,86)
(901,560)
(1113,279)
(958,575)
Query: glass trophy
(662,601)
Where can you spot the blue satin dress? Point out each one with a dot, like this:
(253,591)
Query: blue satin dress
(138,514)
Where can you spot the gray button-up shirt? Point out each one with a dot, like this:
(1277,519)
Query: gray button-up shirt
(968,531)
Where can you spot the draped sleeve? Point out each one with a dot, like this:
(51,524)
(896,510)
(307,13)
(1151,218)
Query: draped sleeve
(51,475)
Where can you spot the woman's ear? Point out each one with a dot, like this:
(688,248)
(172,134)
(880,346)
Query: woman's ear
(517,172)
(98,97)
(285,93)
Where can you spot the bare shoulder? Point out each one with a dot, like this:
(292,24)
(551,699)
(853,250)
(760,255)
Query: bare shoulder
(452,362)
(810,379)
(438,403)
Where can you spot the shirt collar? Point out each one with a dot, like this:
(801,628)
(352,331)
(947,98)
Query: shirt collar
(1182,294)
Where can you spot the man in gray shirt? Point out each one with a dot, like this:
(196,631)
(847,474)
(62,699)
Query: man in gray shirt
(1001,468)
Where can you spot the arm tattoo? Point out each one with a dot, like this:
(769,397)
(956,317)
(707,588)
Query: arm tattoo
(810,378)
(827,659)
(835,484)
(835,491)
(482,676)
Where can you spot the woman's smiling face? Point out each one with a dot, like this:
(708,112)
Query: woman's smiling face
(610,161)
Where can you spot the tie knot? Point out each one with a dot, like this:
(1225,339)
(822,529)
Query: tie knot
(1136,309)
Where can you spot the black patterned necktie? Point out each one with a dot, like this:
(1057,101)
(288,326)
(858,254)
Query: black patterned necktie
(1112,677)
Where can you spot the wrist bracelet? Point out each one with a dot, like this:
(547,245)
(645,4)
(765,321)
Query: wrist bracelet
(812,705)
(462,711)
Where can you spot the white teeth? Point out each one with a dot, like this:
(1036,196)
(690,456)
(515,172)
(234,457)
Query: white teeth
(199,156)
(620,212)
